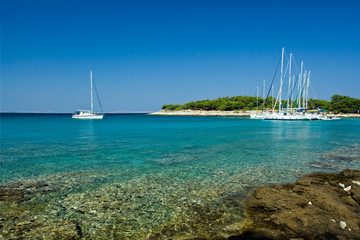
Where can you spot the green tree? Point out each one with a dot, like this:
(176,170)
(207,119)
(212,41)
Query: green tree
(338,103)
(344,104)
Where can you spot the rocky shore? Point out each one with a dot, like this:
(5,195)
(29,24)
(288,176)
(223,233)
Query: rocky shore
(202,113)
(319,206)
(229,113)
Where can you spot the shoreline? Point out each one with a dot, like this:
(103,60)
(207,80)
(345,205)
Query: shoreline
(202,113)
(232,113)
(317,206)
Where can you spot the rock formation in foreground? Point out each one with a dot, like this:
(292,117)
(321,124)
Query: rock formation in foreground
(319,206)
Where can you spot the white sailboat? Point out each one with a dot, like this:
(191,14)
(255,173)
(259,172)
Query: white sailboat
(89,114)
(290,113)
(258,115)
(296,110)
(281,115)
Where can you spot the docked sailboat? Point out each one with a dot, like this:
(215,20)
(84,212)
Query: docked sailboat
(296,109)
(287,114)
(259,115)
(89,114)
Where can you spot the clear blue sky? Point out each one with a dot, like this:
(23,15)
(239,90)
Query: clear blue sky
(148,53)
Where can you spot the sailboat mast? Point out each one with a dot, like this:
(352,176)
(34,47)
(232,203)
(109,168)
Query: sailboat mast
(293,88)
(281,77)
(304,90)
(288,103)
(300,84)
(257,98)
(264,96)
(307,89)
(92,104)
(272,96)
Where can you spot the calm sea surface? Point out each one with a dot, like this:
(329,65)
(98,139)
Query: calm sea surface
(130,176)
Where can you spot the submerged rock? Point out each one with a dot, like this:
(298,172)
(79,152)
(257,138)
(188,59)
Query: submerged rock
(343,154)
(283,212)
(160,206)
(323,165)
(28,206)
(152,206)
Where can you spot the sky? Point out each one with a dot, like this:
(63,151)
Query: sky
(145,54)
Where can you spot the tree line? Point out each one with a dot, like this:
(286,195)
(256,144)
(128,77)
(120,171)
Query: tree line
(338,103)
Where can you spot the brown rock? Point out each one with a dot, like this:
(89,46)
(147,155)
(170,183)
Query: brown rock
(284,212)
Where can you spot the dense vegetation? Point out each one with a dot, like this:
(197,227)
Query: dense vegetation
(338,103)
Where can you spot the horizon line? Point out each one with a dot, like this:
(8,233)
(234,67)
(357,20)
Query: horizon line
(50,112)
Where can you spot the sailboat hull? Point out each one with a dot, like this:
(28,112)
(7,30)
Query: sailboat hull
(87,116)
(282,117)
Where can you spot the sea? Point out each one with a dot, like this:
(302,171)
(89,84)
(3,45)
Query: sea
(138,176)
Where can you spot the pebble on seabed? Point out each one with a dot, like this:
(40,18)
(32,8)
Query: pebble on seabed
(342,225)
(356,182)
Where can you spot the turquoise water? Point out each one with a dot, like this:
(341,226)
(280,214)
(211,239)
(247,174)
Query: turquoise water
(209,161)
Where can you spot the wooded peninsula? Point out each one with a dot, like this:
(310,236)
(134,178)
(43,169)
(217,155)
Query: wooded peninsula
(338,104)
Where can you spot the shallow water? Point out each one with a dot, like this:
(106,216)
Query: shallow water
(138,176)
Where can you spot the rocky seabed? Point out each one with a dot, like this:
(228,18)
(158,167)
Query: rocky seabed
(319,206)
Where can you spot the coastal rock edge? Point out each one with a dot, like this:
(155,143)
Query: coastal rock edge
(311,208)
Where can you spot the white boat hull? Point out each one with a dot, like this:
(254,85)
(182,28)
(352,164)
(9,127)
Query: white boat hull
(257,116)
(90,116)
(283,117)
